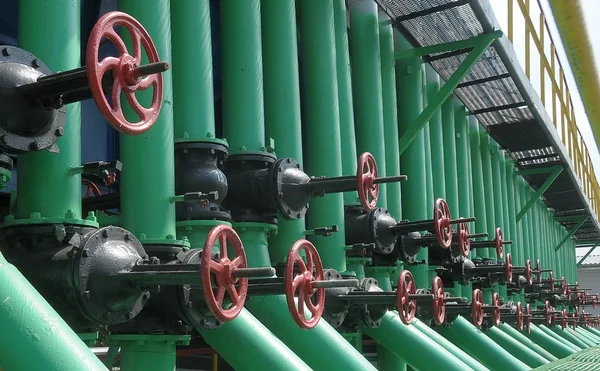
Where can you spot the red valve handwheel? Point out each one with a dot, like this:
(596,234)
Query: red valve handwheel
(548,312)
(123,67)
(222,270)
(563,286)
(520,318)
(509,269)
(563,321)
(594,303)
(406,286)
(499,243)
(527,318)
(551,280)
(368,191)
(464,242)
(496,311)
(302,282)
(538,269)
(439,306)
(477,307)
(441,221)
(528,272)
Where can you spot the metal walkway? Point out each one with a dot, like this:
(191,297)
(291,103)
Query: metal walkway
(587,359)
(497,91)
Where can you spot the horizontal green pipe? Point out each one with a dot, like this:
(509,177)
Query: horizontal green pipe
(516,348)
(555,346)
(255,346)
(444,343)
(32,335)
(417,350)
(309,345)
(527,342)
(559,338)
(473,341)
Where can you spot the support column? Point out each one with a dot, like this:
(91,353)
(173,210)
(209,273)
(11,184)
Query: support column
(148,352)
(478,188)
(498,201)
(436,137)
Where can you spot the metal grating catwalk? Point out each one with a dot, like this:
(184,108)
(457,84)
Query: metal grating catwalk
(498,93)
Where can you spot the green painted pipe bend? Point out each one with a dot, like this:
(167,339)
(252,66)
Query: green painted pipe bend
(516,348)
(255,346)
(473,341)
(415,348)
(551,344)
(444,343)
(33,336)
(562,339)
(527,342)
(322,348)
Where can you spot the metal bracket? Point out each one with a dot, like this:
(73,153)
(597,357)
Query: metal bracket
(571,233)
(586,255)
(478,46)
(555,172)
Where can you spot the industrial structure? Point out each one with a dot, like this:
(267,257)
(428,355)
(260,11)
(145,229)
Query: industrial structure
(292,185)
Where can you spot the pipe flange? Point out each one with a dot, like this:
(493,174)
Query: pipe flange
(291,201)
(370,227)
(335,310)
(25,127)
(408,247)
(370,315)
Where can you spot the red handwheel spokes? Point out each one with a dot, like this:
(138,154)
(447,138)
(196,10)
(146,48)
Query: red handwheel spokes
(509,269)
(222,269)
(477,307)
(538,269)
(464,242)
(496,311)
(499,243)
(439,305)
(368,191)
(528,272)
(551,280)
(520,318)
(126,77)
(301,283)
(548,312)
(441,221)
(563,321)
(406,286)
(563,285)
(527,318)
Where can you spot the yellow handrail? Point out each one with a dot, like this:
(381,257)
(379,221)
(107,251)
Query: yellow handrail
(560,105)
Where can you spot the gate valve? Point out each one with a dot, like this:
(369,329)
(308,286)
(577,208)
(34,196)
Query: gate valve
(543,315)
(269,187)
(370,227)
(562,316)
(494,309)
(439,228)
(515,313)
(462,243)
(497,243)
(526,271)
(408,298)
(477,308)
(33,112)
(538,271)
(502,271)
(527,316)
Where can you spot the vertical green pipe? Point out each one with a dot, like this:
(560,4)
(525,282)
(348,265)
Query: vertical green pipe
(524,220)
(478,187)
(34,336)
(552,345)
(282,102)
(512,210)
(527,342)
(501,201)
(409,81)
(498,200)
(428,167)
(346,105)
(390,115)
(322,123)
(516,348)
(148,352)
(436,137)
(50,31)
(365,60)
(488,184)
(193,94)
(146,210)
(242,76)
(473,341)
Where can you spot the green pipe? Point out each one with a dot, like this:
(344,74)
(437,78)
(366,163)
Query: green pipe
(593,331)
(450,165)
(34,336)
(527,342)
(148,352)
(191,48)
(497,199)
(473,341)
(256,347)
(511,203)
(478,187)
(242,76)
(555,346)
(574,337)
(322,123)
(409,79)
(390,114)
(365,61)
(444,343)
(420,352)
(146,210)
(587,335)
(581,338)
(488,185)
(282,102)
(525,222)
(516,348)
(436,137)
(50,31)
(560,338)
(428,167)
(346,105)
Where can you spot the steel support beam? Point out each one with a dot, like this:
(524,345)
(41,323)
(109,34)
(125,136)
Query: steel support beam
(571,233)
(555,173)
(479,45)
